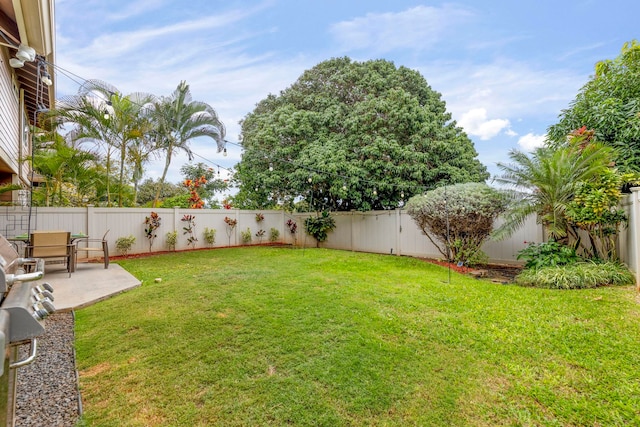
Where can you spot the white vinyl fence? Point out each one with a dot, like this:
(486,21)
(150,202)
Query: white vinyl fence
(386,232)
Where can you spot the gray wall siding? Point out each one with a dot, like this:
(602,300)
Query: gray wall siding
(9,115)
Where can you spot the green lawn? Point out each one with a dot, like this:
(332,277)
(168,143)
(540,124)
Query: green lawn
(279,336)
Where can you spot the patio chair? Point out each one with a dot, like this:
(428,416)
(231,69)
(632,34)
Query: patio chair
(53,246)
(97,245)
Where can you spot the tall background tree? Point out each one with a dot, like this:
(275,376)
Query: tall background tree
(147,191)
(177,120)
(609,103)
(213,182)
(351,135)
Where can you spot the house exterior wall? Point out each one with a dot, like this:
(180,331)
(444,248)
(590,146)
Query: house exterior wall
(9,118)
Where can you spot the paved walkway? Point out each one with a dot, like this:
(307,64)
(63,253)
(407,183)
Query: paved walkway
(90,283)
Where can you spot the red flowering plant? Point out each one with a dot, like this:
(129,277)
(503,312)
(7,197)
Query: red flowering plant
(195,202)
(293,229)
(231,225)
(152,223)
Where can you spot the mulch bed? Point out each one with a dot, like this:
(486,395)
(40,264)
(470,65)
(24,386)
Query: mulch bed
(494,272)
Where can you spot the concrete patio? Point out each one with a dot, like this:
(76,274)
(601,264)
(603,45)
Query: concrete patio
(90,283)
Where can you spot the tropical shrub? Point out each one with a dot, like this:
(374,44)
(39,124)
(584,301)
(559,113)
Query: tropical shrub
(231,225)
(293,229)
(190,229)
(246,236)
(152,223)
(209,236)
(547,254)
(124,244)
(172,239)
(570,187)
(458,218)
(577,276)
(319,227)
(274,234)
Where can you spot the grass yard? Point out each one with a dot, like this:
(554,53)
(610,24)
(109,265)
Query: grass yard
(278,336)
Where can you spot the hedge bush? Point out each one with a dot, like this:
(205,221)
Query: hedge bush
(458,217)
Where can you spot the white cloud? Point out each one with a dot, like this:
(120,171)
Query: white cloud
(134,8)
(476,123)
(530,141)
(416,28)
(511,88)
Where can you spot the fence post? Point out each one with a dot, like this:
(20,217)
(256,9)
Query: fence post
(235,230)
(352,232)
(398,232)
(176,224)
(634,228)
(90,212)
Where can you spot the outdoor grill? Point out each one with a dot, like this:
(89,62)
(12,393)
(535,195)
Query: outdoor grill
(24,304)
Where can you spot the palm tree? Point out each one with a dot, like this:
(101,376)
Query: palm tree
(109,120)
(545,183)
(67,172)
(177,120)
(140,152)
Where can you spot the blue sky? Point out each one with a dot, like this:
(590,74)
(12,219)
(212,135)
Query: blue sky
(505,68)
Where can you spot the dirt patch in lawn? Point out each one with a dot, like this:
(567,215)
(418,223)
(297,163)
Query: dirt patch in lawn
(497,273)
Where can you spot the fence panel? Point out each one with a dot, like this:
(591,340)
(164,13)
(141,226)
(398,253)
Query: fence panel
(385,232)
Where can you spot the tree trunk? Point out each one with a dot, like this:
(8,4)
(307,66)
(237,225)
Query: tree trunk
(164,175)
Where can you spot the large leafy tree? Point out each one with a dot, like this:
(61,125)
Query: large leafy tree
(112,122)
(351,135)
(147,191)
(177,120)
(609,103)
